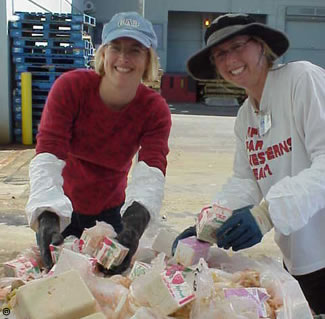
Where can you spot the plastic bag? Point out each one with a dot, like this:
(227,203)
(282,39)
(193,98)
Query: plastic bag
(136,288)
(211,304)
(110,296)
(286,294)
(147,313)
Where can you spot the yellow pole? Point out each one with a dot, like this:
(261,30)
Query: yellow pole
(26,108)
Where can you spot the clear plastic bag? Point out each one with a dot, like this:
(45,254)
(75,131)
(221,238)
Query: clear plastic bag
(210,302)
(285,293)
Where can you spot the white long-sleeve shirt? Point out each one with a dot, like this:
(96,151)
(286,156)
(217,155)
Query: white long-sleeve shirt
(286,164)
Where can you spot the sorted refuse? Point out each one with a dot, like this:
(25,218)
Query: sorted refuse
(156,286)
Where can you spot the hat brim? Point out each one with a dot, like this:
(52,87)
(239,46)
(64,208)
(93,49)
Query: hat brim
(199,65)
(128,34)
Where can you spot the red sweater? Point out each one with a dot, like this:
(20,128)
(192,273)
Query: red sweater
(98,144)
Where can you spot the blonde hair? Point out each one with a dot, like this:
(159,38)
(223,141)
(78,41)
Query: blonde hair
(268,53)
(150,74)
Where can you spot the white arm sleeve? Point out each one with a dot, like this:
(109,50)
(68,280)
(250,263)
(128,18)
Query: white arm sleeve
(241,189)
(294,200)
(147,188)
(46,191)
(238,193)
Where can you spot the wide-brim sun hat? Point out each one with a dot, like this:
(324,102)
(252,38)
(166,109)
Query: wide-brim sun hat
(226,27)
(130,25)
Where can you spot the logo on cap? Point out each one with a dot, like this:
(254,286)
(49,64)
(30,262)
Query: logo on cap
(129,23)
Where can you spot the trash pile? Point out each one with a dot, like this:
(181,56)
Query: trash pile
(200,281)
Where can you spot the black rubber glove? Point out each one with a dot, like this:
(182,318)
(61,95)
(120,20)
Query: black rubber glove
(48,233)
(188,232)
(134,221)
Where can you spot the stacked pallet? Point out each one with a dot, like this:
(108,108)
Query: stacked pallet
(221,89)
(46,44)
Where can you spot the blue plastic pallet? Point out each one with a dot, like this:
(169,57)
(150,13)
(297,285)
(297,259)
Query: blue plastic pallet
(40,77)
(37,95)
(51,43)
(18,131)
(46,34)
(36,91)
(56,17)
(35,123)
(36,105)
(18,135)
(19,139)
(38,84)
(40,51)
(36,115)
(44,68)
(49,60)
(89,20)
(70,52)
(39,100)
(48,17)
(49,26)
(17,107)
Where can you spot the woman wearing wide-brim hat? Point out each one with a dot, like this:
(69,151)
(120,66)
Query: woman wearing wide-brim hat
(279,166)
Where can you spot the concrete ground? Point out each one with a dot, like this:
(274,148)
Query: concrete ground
(200,161)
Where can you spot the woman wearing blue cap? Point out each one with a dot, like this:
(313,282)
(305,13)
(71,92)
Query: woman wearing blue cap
(93,124)
(279,168)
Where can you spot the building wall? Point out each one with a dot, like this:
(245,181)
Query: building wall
(163,14)
(275,12)
(104,10)
(5,120)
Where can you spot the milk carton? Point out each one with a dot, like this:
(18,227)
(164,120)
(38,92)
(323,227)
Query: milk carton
(165,292)
(23,267)
(209,221)
(110,252)
(190,250)
(139,268)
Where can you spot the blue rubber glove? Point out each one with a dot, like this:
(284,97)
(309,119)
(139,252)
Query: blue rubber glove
(188,232)
(245,228)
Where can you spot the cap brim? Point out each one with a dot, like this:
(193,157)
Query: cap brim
(199,65)
(128,34)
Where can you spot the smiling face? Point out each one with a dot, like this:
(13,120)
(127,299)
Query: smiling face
(241,61)
(125,61)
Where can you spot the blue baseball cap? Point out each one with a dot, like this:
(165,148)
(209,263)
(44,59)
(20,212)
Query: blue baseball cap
(131,25)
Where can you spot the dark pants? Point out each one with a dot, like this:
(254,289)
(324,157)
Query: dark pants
(313,287)
(79,222)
